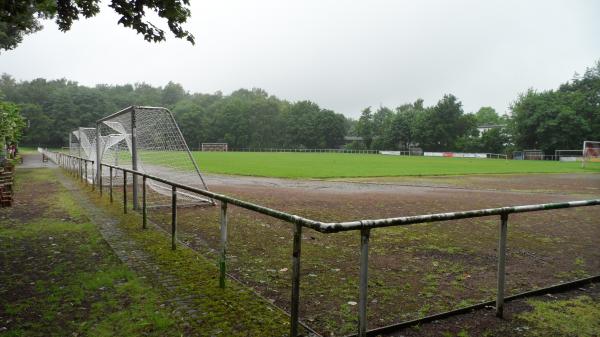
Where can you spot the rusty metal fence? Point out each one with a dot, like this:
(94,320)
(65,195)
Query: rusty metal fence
(75,165)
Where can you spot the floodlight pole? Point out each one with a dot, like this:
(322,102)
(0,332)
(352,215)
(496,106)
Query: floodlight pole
(134,158)
(98,156)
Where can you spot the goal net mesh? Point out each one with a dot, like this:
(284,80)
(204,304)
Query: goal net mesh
(591,151)
(161,152)
(219,147)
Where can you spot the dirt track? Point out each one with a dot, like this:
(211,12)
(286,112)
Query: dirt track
(415,270)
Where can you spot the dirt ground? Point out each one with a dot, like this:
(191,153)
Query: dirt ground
(415,270)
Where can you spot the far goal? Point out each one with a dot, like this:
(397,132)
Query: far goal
(591,152)
(215,147)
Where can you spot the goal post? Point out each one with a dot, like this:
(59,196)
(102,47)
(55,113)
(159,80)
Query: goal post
(568,155)
(219,147)
(591,152)
(148,140)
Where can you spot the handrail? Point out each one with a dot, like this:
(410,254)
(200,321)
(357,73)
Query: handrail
(333,227)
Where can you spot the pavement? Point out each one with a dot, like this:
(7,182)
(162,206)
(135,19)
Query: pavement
(34,160)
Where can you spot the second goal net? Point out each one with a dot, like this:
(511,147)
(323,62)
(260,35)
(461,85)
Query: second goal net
(220,147)
(591,151)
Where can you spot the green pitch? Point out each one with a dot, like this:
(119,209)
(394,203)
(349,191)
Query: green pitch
(334,165)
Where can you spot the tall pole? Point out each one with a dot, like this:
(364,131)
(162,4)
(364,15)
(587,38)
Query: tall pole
(134,159)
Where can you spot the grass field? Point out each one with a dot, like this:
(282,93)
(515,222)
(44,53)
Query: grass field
(335,165)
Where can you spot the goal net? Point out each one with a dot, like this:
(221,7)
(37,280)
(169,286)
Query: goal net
(568,155)
(83,144)
(591,151)
(214,147)
(147,139)
(533,154)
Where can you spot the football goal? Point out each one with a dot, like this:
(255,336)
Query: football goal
(568,155)
(219,147)
(148,140)
(533,154)
(591,152)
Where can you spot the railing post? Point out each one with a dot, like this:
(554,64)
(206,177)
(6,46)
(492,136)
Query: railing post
(110,188)
(222,266)
(94,178)
(125,192)
(295,310)
(144,210)
(174,218)
(501,264)
(364,271)
(100,177)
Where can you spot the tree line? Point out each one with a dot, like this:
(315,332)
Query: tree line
(548,120)
(245,118)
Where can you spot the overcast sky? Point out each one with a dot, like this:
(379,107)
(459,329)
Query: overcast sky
(343,55)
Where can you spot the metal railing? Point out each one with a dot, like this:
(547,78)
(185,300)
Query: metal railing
(364,227)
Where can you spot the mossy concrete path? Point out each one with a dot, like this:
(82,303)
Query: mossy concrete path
(131,252)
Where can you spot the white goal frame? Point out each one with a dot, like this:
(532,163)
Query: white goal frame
(213,147)
(568,155)
(591,151)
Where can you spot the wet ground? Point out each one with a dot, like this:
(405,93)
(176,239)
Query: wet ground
(416,270)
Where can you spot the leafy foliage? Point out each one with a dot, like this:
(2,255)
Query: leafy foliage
(20,18)
(246,118)
(11,123)
(559,119)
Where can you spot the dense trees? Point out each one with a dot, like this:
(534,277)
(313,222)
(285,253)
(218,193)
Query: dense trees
(548,120)
(436,128)
(21,17)
(559,119)
(246,118)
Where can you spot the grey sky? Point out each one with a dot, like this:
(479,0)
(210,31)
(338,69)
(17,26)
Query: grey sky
(344,55)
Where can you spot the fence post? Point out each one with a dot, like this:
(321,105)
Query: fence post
(86,175)
(94,178)
(501,264)
(110,189)
(124,192)
(144,210)
(100,177)
(222,267)
(294,317)
(174,218)
(364,271)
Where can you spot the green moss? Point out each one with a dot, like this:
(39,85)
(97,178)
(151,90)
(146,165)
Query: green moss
(573,317)
(62,279)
